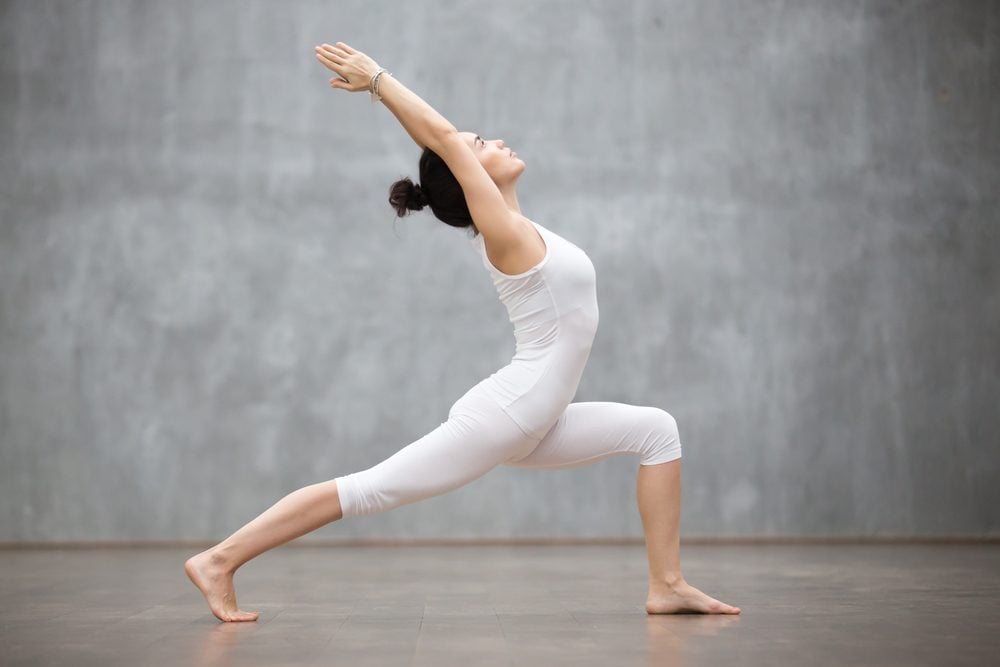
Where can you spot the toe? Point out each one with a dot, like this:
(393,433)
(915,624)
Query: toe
(716,607)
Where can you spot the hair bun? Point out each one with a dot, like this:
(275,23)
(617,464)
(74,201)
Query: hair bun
(419,199)
(405,195)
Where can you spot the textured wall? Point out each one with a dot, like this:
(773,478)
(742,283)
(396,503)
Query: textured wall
(205,302)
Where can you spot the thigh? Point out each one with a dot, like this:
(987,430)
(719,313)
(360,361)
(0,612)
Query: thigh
(591,431)
(476,437)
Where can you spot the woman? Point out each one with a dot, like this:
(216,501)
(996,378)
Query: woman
(521,415)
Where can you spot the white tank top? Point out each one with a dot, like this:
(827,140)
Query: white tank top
(553,307)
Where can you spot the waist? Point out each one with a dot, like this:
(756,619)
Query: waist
(574,329)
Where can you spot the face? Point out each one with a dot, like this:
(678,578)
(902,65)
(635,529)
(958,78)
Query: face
(500,162)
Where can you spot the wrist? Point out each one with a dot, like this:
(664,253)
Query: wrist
(374,82)
(372,71)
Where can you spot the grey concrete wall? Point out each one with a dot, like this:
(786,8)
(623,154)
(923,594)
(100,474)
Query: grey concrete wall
(205,301)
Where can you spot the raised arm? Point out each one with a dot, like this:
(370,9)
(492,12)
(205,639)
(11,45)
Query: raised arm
(430,129)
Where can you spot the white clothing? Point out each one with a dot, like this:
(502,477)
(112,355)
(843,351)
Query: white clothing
(521,415)
(553,307)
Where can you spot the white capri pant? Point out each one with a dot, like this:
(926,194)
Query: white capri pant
(478,436)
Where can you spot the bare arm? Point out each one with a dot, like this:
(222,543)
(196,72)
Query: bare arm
(429,128)
(424,125)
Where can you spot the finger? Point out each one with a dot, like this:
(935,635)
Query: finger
(335,51)
(335,66)
(346,48)
(330,55)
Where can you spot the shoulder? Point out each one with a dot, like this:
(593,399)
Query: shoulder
(519,232)
(517,252)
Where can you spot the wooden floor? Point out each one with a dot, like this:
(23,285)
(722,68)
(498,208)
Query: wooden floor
(562,605)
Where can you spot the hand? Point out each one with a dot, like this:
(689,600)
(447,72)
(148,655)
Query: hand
(355,68)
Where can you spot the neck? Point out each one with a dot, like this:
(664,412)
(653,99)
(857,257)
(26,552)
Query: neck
(510,198)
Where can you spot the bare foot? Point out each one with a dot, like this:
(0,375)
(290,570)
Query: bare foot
(216,583)
(682,598)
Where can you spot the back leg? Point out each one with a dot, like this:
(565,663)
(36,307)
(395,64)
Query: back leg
(477,437)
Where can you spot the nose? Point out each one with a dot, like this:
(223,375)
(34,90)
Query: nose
(499,143)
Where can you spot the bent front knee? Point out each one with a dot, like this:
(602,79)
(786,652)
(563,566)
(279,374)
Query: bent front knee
(663,442)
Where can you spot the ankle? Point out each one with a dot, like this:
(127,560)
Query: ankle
(222,558)
(667,580)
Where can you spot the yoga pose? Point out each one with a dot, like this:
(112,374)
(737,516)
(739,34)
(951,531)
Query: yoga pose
(521,415)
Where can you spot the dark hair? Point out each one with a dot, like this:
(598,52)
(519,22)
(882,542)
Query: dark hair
(438,188)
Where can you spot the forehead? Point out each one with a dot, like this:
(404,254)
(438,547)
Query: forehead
(469,136)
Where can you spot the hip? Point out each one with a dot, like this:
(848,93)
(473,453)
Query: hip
(534,410)
(479,414)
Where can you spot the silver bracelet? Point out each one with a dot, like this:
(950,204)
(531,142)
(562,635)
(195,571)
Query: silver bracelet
(373,83)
